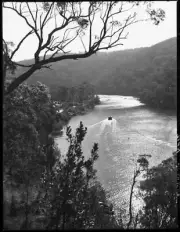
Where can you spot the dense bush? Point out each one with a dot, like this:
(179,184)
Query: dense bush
(43,189)
(159,192)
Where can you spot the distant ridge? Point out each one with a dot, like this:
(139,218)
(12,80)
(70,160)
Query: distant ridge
(103,68)
(147,73)
(162,43)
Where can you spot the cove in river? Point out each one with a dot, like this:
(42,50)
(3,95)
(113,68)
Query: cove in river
(135,129)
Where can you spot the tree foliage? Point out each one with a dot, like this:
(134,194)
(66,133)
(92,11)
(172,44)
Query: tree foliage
(53,191)
(142,164)
(73,194)
(75,94)
(159,192)
(8,65)
(26,111)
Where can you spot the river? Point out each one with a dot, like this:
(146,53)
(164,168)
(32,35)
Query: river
(135,129)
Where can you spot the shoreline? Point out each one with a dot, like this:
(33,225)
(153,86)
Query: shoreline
(68,111)
(159,108)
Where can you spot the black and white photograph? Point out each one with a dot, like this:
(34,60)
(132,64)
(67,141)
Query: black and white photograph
(89,115)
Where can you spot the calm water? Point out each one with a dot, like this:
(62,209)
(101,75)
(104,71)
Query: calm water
(134,130)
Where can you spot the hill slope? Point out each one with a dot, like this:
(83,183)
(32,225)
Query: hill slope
(124,72)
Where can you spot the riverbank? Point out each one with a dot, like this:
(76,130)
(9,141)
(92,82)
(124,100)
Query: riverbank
(159,102)
(67,110)
(135,130)
(160,108)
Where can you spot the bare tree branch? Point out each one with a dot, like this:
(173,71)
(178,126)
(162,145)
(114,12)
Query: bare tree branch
(18,46)
(109,46)
(53,31)
(23,65)
(47,66)
(136,173)
(65,15)
(35,24)
(90,22)
(45,18)
(35,67)
(25,18)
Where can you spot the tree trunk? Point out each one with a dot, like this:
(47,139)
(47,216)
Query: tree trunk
(130,202)
(64,220)
(26,210)
(20,79)
(58,216)
(12,208)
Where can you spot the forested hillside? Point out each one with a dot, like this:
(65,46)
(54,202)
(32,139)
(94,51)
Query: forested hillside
(148,73)
(49,187)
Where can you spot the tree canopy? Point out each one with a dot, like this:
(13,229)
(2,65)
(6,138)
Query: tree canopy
(159,192)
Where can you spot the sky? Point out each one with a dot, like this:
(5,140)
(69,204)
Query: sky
(143,34)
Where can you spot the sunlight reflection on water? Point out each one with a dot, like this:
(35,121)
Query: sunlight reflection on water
(131,132)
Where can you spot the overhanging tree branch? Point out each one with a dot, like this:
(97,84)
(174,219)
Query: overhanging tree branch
(18,46)
(35,67)
(23,65)
(65,14)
